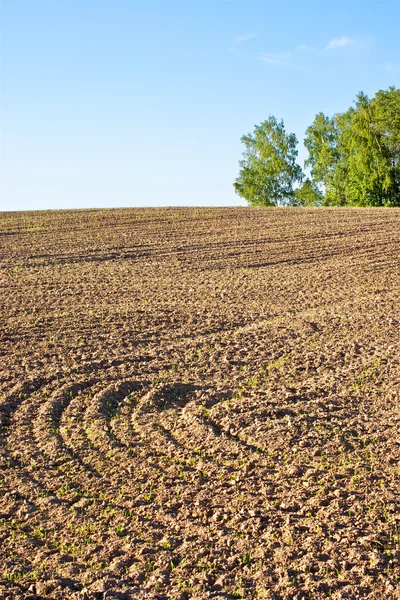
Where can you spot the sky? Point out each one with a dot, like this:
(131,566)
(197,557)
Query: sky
(109,103)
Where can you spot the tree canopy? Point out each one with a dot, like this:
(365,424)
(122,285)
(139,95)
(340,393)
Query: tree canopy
(353,158)
(268,169)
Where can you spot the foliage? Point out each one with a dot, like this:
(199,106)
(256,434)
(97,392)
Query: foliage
(268,170)
(326,159)
(353,157)
(308,194)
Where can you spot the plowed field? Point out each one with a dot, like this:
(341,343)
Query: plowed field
(200,403)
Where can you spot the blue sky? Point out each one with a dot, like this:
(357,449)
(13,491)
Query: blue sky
(143,102)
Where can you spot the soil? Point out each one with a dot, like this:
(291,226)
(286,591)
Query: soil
(200,403)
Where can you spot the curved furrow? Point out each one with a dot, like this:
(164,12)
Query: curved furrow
(32,482)
(9,403)
(65,483)
(91,431)
(103,408)
(110,423)
(86,431)
(46,425)
(131,440)
(77,476)
(33,442)
(172,422)
(73,434)
(154,409)
(100,431)
(232,445)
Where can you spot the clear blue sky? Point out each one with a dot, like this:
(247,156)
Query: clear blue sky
(143,102)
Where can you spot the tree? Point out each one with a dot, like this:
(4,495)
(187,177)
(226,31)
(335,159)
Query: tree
(268,169)
(386,111)
(326,159)
(355,156)
(308,194)
(367,174)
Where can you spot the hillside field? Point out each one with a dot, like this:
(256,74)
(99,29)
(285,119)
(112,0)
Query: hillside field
(200,403)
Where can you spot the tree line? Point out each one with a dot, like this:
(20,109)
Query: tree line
(353,158)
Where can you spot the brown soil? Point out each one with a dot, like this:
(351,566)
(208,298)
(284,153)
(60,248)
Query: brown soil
(200,403)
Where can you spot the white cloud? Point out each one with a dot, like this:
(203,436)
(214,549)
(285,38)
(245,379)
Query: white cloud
(295,58)
(246,38)
(339,42)
(280,60)
(273,61)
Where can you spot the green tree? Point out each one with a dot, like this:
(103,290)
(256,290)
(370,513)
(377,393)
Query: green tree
(386,112)
(326,158)
(308,194)
(268,169)
(367,176)
(355,156)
